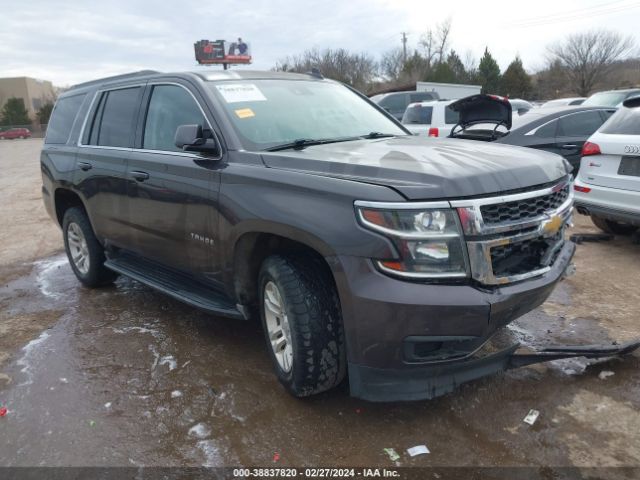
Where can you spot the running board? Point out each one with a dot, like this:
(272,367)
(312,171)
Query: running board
(176,285)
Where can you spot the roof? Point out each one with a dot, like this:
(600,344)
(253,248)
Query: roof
(210,75)
(549,113)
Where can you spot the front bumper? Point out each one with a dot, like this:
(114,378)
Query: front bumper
(432,381)
(385,317)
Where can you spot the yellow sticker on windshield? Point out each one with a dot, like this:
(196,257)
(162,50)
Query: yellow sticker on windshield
(245,113)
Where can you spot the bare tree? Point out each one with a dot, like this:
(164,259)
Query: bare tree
(442,34)
(355,69)
(392,64)
(589,57)
(435,42)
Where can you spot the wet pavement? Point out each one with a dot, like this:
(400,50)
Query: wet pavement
(127,376)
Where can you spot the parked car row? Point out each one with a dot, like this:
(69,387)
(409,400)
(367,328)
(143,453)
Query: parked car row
(602,144)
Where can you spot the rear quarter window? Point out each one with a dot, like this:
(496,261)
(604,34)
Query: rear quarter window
(625,121)
(62,118)
(451,117)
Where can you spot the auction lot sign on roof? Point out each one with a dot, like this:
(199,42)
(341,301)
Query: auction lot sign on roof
(222,52)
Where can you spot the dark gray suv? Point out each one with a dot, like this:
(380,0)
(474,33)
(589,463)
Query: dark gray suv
(365,251)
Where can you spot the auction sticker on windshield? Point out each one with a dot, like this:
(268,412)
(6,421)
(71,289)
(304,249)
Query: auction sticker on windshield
(240,92)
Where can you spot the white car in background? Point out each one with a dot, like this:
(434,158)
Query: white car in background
(564,102)
(608,184)
(432,119)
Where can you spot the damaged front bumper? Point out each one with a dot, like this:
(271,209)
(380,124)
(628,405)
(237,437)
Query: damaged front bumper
(430,381)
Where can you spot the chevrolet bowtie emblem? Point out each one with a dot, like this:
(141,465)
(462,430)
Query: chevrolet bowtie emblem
(553,225)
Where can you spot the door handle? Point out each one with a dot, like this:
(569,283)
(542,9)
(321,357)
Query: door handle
(569,146)
(84,166)
(140,176)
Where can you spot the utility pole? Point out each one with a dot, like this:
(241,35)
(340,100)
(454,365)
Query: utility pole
(404,47)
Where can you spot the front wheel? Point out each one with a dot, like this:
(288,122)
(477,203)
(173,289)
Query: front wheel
(610,226)
(302,322)
(85,254)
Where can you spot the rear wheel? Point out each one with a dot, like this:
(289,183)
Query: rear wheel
(85,254)
(610,226)
(302,322)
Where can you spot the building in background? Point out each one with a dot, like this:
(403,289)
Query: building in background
(35,93)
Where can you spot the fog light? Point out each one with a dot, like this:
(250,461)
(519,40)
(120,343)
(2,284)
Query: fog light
(429,250)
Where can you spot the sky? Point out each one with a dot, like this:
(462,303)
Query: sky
(71,41)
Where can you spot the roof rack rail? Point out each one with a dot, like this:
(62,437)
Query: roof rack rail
(124,76)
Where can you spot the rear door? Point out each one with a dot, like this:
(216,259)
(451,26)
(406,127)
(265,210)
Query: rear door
(105,147)
(172,193)
(573,130)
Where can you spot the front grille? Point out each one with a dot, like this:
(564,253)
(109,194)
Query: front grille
(525,256)
(523,209)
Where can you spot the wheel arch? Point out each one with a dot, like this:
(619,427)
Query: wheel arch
(253,247)
(65,199)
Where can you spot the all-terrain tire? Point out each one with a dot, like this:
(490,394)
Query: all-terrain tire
(96,273)
(312,306)
(610,226)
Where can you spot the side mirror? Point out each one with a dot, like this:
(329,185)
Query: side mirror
(194,138)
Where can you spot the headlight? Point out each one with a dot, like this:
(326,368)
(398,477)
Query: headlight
(429,240)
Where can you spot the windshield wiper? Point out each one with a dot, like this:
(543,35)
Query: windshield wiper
(302,143)
(377,135)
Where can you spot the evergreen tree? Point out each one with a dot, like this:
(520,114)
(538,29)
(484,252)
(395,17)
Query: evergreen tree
(44,113)
(516,83)
(14,113)
(489,73)
(460,74)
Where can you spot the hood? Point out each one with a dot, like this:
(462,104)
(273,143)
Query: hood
(423,168)
(483,109)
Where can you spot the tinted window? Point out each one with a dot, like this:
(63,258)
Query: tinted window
(417,114)
(420,97)
(394,102)
(579,124)
(62,118)
(451,116)
(170,106)
(548,130)
(625,121)
(114,121)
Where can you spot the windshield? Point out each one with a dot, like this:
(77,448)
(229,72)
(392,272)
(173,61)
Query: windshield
(605,99)
(268,113)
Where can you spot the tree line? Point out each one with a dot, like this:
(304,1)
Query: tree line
(577,65)
(14,113)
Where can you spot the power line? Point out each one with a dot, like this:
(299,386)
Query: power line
(574,16)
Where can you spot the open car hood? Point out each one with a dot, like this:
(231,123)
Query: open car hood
(483,108)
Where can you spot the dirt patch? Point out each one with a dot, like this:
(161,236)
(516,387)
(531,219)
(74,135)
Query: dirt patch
(603,287)
(27,230)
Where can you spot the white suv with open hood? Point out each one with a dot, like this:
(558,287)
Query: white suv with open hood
(608,183)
